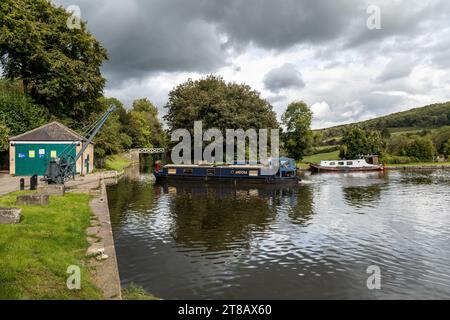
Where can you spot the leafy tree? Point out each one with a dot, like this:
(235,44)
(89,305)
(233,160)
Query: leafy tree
(385,133)
(4,135)
(218,104)
(446,148)
(441,137)
(318,138)
(421,148)
(145,128)
(397,145)
(17,112)
(298,136)
(357,141)
(59,67)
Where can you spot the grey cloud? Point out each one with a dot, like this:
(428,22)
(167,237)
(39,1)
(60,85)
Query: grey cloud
(145,37)
(400,66)
(285,77)
(399,19)
(283,23)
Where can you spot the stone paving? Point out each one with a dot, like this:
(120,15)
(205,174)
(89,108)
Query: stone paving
(10,184)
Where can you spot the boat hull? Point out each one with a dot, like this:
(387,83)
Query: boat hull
(319,168)
(235,180)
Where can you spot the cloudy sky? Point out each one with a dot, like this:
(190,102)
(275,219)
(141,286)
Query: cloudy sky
(318,51)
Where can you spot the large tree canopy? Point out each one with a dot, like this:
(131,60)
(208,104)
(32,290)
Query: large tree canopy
(357,141)
(144,128)
(298,136)
(219,105)
(59,66)
(17,112)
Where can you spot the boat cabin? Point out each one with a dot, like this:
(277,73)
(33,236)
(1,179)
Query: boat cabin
(287,169)
(345,163)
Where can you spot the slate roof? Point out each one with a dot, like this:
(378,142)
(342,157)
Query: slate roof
(53,131)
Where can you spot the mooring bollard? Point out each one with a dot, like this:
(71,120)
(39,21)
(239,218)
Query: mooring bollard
(33,182)
(22,184)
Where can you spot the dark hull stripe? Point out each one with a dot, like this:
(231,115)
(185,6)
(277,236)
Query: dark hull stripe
(227,179)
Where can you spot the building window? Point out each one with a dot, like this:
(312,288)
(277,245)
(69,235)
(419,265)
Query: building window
(187,171)
(211,172)
(340,163)
(349,163)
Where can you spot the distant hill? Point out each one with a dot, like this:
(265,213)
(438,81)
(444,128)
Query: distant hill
(428,117)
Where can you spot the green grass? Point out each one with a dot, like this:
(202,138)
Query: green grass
(117,162)
(316,158)
(35,254)
(133,292)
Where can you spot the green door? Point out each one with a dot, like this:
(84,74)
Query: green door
(33,158)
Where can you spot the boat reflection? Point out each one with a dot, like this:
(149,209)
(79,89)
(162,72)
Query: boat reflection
(218,215)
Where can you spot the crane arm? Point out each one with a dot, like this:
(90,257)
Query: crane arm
(95,130)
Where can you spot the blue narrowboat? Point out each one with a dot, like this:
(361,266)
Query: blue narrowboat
(285,172)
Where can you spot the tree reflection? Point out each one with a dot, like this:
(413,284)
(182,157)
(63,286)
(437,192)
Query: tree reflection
(303,209)
(127,195)
(362,195)
(218,216)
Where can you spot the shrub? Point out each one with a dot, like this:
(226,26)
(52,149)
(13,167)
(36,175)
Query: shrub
(391,159)
(421,148)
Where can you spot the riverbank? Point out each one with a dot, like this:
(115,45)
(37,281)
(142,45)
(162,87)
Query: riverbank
(105,270)
(86,200)
(36,253)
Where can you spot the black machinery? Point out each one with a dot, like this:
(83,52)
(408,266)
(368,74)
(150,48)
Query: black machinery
(60,170)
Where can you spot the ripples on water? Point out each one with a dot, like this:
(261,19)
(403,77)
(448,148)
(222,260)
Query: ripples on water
(314,240)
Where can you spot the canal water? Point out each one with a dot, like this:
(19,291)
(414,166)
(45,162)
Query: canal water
(314,240)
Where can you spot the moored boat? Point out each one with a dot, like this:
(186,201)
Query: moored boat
(285,172)
(345,166)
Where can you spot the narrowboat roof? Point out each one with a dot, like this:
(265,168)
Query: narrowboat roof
(212,166)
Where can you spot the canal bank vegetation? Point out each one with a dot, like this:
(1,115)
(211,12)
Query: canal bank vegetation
(117,162)
(35,254)
(134,292)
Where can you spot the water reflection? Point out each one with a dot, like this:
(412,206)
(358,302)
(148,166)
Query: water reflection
(362,195)
(314,240)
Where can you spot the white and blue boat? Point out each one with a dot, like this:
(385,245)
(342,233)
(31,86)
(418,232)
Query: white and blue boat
(285,172)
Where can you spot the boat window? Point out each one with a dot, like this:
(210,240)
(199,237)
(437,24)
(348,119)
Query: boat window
(253,173)
(332,163)
(349,163)
(211,172)
(172,171)
(187,171)
(340,163)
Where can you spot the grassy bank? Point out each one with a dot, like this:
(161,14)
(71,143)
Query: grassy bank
(35,254)
(117,162)
(316,158)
